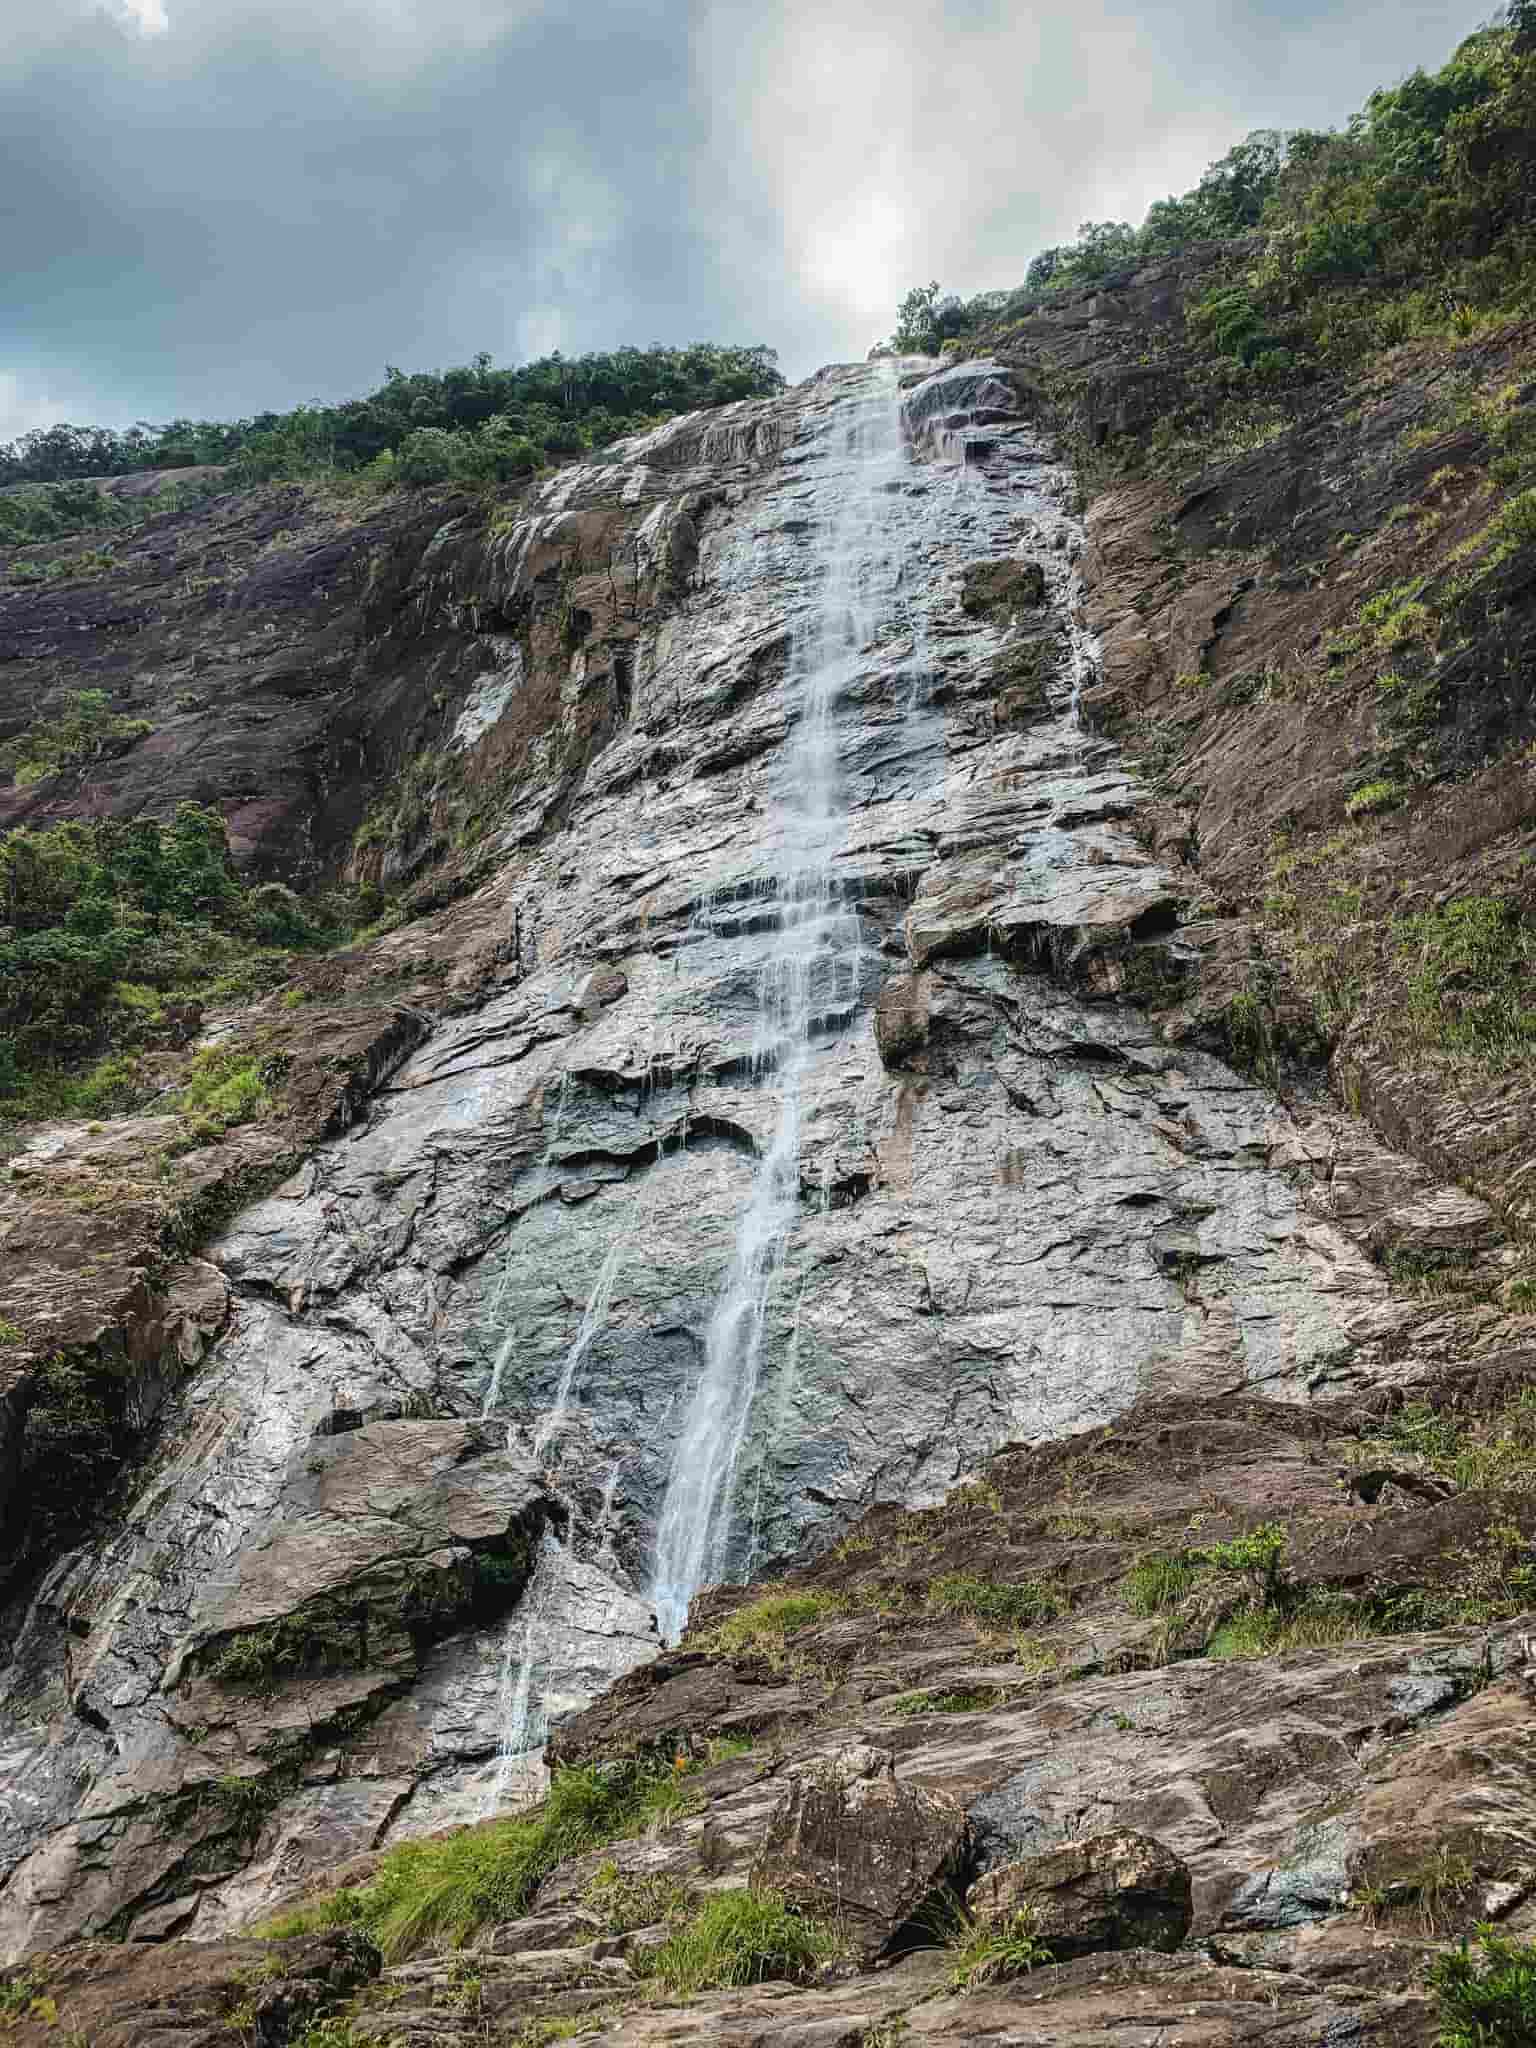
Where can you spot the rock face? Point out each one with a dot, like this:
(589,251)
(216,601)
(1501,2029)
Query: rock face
(849,1843)
(217,1995)
(1106,1892)
(1014,1207)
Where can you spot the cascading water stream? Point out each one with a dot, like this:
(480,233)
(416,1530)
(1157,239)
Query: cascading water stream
(814,949)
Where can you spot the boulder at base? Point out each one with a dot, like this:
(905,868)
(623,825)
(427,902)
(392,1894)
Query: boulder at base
(848,1842)
(1119,1890)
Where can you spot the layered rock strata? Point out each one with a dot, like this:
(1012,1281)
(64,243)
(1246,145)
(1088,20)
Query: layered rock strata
(1020,1208)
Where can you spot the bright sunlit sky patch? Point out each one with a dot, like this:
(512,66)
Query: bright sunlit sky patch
(213,206)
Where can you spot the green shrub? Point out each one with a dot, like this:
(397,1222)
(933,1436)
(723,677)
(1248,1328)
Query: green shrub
(227,1088)
(1372,797)
(1468,988)
(1487,2000)
(1259,1554)
(19,1991)
(742,1937)
(112,932)
(1004,1606)
(1228,322)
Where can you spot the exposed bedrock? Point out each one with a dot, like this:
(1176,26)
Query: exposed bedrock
(1020,1210)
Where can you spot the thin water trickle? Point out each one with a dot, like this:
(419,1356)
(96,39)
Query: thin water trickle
(519,1766)
(509,1342)
(812,953)
(593,1318)
(789,1376)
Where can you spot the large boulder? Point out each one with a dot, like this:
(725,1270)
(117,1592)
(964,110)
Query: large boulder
(1120,1890)
(848,1842)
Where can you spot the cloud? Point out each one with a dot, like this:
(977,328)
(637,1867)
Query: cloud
(216,206)
(147,16)
(912,140)
(23,407)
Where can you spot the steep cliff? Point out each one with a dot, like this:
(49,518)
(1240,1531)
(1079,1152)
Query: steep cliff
(801,1087)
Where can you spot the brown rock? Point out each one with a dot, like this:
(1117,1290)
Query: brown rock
(1006,587)
(540,1932)
(848,1842)
(901,1017)
(1120,1890)
(189,1994)
(384,1520)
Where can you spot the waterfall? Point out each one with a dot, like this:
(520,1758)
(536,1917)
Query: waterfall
(814,946)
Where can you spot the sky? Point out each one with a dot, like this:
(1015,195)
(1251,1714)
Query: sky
(212,207)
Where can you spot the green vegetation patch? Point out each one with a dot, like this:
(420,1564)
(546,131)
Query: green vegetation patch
(1468,973)
(742,1937)
(626,1900)
(994,1955)
(907,1705)
(446,1888)
(1153,1585)
(998,1605)
(763,1626)
(108,932)
(1486,1998)
(474,423)
(85,729)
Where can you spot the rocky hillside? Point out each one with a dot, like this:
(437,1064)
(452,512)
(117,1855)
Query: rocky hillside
(1131,1529)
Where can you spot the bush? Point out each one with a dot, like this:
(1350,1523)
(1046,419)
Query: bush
(86,729)
(1486,2001)
(742,1937)
(762,1625)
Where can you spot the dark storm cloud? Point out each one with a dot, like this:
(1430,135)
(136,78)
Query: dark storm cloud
(210,206)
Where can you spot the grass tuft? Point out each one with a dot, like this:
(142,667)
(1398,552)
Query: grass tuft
(743,1937)
(1006,1606)
(441,1891)
(993,1955)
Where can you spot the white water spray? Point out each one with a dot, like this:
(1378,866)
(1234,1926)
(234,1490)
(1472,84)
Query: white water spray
(814,953)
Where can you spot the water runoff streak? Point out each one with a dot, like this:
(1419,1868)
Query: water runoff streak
(810,974)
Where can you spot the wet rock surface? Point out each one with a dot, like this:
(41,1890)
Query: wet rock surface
(473,1314)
